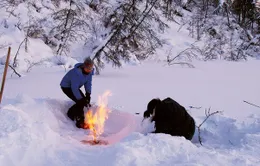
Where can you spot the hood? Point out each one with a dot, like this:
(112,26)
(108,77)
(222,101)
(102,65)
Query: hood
(77,65)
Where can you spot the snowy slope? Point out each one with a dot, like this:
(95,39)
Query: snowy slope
(35,131)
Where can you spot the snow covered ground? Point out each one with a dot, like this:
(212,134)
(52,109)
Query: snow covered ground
(35,131)
(34,128)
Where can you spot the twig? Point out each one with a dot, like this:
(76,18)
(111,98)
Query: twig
(32,64)
(181,26)
(208,114)
(230,142)
(183,63)
(15,57)
(251,104)
(15,71)
(195,107)
(189,54)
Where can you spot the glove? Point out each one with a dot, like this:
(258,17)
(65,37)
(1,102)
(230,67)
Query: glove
(88,105)
(146,114)
(87,99)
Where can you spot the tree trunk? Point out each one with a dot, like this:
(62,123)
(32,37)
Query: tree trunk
(65,29)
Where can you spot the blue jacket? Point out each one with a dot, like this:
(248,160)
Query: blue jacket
(75,79)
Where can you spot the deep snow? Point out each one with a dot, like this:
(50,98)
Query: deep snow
(35,131)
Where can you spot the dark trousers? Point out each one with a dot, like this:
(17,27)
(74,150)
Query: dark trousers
(77,109)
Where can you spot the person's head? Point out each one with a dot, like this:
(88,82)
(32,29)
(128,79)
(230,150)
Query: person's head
(88,65)
(151,106)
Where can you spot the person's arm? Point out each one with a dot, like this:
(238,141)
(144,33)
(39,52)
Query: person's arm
(88,86)
(75,88)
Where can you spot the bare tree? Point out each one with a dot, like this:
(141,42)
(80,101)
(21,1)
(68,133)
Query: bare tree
(240,24)
(71,26)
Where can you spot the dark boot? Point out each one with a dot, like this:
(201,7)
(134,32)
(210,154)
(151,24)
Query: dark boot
(72,112)
(71,115)
(76,113)
(79,116)
(80,121)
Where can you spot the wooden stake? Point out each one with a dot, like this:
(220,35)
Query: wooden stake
(5,72)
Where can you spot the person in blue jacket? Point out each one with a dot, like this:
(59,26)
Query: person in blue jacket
(80,75)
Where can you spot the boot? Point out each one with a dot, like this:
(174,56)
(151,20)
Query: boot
(80,121)
(70,114)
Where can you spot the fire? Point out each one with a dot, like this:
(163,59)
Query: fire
(95,122)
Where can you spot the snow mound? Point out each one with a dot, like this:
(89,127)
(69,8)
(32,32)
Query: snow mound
(221,131)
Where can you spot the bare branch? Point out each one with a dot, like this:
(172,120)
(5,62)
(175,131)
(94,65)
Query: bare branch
(194,107)
(183,54)
(15,57)
(32,64)
(183,63)
(15,71)
(251,104)
(208,114)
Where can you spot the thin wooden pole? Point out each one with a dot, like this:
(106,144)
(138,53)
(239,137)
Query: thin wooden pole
(5,72)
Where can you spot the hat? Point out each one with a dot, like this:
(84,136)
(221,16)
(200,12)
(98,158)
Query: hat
(88,64)
(88,61)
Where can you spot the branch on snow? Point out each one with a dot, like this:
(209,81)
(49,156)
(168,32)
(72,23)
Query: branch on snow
(208,114)
(15,57)
(32,64)
(189,54)
(251,104)
(14,71)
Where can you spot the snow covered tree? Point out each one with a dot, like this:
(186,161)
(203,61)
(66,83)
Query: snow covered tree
(244,9)
(228,27)
(70,25)
(132,29)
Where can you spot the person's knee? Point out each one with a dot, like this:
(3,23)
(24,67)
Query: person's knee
(81,102)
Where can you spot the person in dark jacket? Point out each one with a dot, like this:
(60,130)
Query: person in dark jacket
(170,118)
(80,75)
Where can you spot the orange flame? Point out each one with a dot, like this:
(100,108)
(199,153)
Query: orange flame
(95,122)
